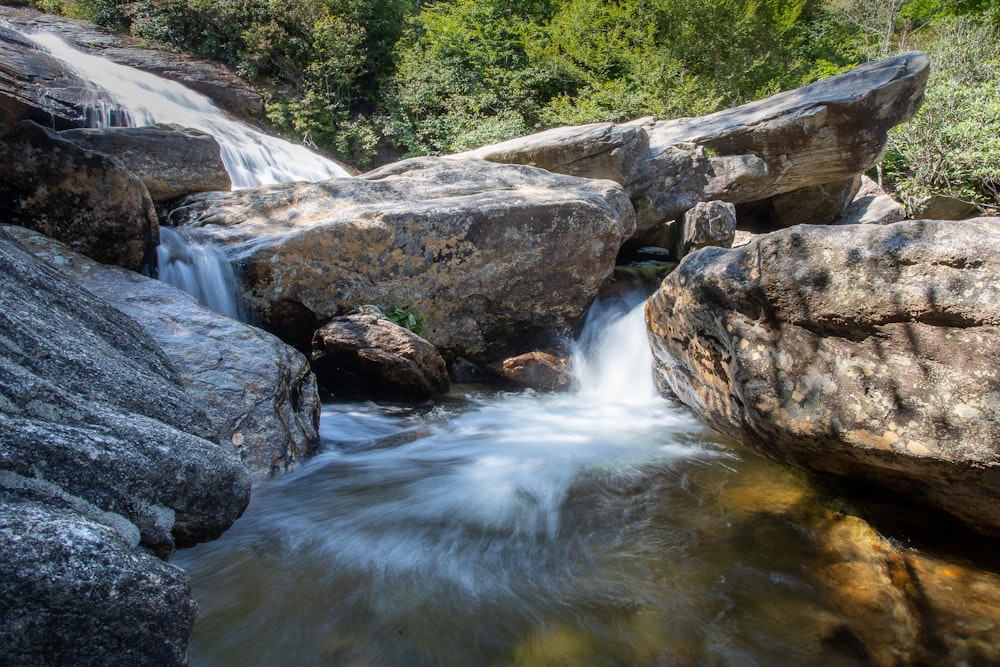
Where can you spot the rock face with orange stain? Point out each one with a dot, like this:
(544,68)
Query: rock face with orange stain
(500,258)
(868,352)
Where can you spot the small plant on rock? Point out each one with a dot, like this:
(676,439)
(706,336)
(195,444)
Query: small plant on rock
(413,319)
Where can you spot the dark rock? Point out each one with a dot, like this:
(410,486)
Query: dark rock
(171,161)
(89,403)
(87,200)
(815,205)
(258,393)
(74,590)
(366,355)
(209,78)
(35,86)
(871,352)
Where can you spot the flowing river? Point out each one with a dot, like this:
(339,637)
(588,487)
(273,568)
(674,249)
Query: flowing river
(602,526)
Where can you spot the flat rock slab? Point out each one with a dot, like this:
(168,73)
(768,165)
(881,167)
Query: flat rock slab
(871,352)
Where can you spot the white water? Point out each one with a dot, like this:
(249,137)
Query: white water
(136,98)
(201,269)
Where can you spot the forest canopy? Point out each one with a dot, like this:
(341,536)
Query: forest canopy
(374,81)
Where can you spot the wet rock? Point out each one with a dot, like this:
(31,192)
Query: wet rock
(538,369)
(75,590)
(500,258)
(35,86)
(366,355)
(87,200)
(171,161)
(822,133)
(209,78)
(869,352)
(259,394)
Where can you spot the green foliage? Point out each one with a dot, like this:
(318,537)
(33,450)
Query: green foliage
(413,319)
(952,146)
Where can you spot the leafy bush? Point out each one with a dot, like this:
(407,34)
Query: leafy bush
(413,319)
(952,146)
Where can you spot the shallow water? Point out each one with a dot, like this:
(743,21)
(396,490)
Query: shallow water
(604,526)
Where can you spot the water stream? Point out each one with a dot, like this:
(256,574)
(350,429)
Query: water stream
(598,527)
(594,527)
(135,98)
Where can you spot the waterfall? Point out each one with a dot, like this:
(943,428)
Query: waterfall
(136,98)
(201,269)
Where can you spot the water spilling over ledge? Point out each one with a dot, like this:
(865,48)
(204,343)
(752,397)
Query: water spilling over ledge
(136,98)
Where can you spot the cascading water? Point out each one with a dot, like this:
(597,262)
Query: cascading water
(582,528)
(202,270)
(135,98)
(139,98)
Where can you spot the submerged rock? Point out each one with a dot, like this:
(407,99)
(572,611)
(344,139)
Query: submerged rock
(258,393)
(500,258)
(871,352)
(365,355)
(87,200)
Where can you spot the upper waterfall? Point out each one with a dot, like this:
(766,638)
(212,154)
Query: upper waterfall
(136,98)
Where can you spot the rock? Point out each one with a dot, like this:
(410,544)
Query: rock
(943,207)
(867,580)
(88,403)
(872,206)
(869,352)
(365,355)
(815,205)
(825,132)
(500,258)
(75,590)
(171,161)
(258,393)
(35,86)
(539,370)
(707,224)
(87,200)
(964,602)
(209,78)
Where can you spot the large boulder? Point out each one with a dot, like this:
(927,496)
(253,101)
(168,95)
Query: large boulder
(822,133)
(499,257)
(870,352)
(75,590)
(88,402)
(104,459)
(171,161)
(259,394)
(366,355)
(88,200)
